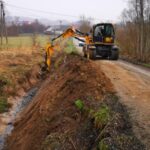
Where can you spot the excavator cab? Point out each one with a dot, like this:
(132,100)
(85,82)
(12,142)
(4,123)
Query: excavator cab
(103,42)
(103,33)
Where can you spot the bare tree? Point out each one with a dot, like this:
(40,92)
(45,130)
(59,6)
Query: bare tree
(136,20)
(85,24)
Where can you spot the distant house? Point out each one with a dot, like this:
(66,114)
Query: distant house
(49,30)
(56,30)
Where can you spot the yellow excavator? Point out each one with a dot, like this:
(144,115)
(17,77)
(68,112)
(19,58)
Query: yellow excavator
(100,42)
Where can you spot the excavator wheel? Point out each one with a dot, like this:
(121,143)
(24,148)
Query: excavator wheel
(114,55)
(84,52)
(85,55)
(92,54)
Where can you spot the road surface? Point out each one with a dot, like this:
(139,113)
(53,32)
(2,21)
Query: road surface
(133,87)
(132,84)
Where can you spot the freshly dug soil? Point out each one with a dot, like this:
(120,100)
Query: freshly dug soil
(53,122)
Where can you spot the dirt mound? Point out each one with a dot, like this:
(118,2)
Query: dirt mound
(69,111)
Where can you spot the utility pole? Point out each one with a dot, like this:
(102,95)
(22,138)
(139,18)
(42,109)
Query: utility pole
(3,28)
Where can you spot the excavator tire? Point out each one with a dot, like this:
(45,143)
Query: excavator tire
(84,52)
(85,55)
(114,55)
(92,54)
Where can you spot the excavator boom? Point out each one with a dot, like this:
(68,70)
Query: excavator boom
(70,32)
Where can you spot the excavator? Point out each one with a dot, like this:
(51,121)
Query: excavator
(99,42)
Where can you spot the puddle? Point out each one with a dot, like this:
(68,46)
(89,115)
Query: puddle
(19,107)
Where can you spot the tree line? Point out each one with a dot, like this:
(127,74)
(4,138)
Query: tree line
(133,34)
(16,28)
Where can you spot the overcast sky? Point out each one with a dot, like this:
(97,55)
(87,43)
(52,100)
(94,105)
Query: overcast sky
(100,10)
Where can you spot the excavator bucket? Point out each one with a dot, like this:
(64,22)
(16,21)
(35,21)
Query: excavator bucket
(49,52)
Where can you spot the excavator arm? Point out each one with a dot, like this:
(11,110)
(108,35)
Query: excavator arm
(70,32)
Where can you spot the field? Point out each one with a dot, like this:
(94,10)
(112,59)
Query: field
(25,41)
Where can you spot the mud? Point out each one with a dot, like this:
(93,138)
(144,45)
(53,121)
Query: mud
(15,112)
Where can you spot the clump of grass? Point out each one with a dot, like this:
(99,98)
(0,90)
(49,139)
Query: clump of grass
(102,116)
(3,96)
(146,65)
(4,106)
(4,82)
(103,146)
(70,47)
(3,79)
(79,104)
(58,62)
(21,70)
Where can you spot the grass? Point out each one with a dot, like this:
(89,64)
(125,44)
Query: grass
(146,65)
(102,146)
(16,60)
(25,41)
(4,81)
(58,62)
(3,104)
(79,104)
(70,47)
(101,117)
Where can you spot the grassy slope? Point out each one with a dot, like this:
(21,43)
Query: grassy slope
(15,61)
(18,59)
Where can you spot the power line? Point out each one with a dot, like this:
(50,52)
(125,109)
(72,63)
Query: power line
(41,11)
(44,12)
(32,15)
